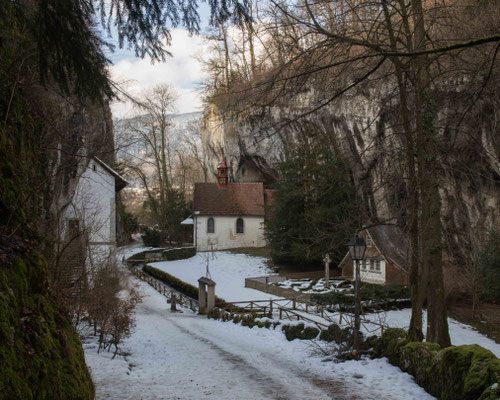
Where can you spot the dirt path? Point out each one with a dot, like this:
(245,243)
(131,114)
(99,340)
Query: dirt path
(184,356)
(260,374)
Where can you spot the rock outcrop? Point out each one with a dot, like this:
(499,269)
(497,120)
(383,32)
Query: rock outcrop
(364,127)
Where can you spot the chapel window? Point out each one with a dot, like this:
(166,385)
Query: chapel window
(240,227)
(210,225)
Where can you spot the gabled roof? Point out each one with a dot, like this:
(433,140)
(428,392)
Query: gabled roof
(393,243)
(235,199)
(188,221)
(120,181)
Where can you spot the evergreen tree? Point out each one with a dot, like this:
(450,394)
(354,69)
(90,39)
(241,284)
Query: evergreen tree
(489,265)
(70,50)
(314,208)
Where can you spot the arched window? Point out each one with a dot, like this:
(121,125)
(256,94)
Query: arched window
(210,225)
(240,227)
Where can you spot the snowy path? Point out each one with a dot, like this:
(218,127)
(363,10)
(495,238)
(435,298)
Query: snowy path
(185,356)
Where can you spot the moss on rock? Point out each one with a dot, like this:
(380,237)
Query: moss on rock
(40,354)
(457,372)
(292,331)
(309,333)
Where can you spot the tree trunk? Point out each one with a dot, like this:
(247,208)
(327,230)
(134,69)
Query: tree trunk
(430,201)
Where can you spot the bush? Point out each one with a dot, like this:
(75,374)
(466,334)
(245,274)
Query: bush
(292,331)
(309,333)
(368,292)
(175,283)
(151,237)
(334,333)
(456,372)
(137,256)
(489,265)
(179,254)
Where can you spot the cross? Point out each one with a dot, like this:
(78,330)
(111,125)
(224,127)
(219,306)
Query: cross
(327,260)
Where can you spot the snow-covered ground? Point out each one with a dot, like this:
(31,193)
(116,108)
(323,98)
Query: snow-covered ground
(228,270)
(186,356)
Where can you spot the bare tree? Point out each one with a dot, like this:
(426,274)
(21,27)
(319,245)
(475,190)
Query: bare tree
(325,50)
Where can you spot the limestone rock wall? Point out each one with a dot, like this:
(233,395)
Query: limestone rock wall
(364,127)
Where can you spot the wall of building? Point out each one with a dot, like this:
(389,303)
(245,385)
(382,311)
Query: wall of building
(370,276)
(93,206)
(225,236)
(389,274)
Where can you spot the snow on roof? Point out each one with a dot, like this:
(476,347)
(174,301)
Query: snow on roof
(188,221)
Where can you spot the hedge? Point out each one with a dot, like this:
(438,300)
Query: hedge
(458,372)
(175,283)
(179,254)
(375,294)
(167,255)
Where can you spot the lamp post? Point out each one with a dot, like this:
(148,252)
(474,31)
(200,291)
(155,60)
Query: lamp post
(357,248)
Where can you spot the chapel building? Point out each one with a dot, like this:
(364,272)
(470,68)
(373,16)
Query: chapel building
(229,215)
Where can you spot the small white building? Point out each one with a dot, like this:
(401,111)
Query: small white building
(229,216)
(88,229)
(386,258)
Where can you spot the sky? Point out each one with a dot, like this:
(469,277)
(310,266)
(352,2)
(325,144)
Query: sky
(181,71)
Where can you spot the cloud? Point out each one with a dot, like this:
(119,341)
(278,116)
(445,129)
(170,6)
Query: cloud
(181,71)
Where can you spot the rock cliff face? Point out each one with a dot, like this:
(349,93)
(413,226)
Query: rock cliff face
(363,126)
(44,143)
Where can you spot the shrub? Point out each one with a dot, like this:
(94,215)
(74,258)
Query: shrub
(179,254)
(151,237)
(175,283)
(309,333)
(489,266)
(248,320)
(137,256)
(367,292)
(292,331)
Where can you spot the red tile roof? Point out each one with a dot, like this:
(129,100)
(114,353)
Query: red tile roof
(235,199)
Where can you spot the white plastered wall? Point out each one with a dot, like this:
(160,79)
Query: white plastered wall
(374,277)
(94,206)
(225,236)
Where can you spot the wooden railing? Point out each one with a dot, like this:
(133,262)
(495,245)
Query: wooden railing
(284,308)
(169,293)
(294,310)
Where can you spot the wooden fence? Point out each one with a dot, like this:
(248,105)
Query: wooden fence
(169,293)
(285,308)
(294,310)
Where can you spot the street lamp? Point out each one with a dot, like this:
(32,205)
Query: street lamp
(357,248)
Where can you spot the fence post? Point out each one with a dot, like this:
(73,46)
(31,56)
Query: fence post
(293,304)
(270,308)
(306,307)
(281,313)
(340,319)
